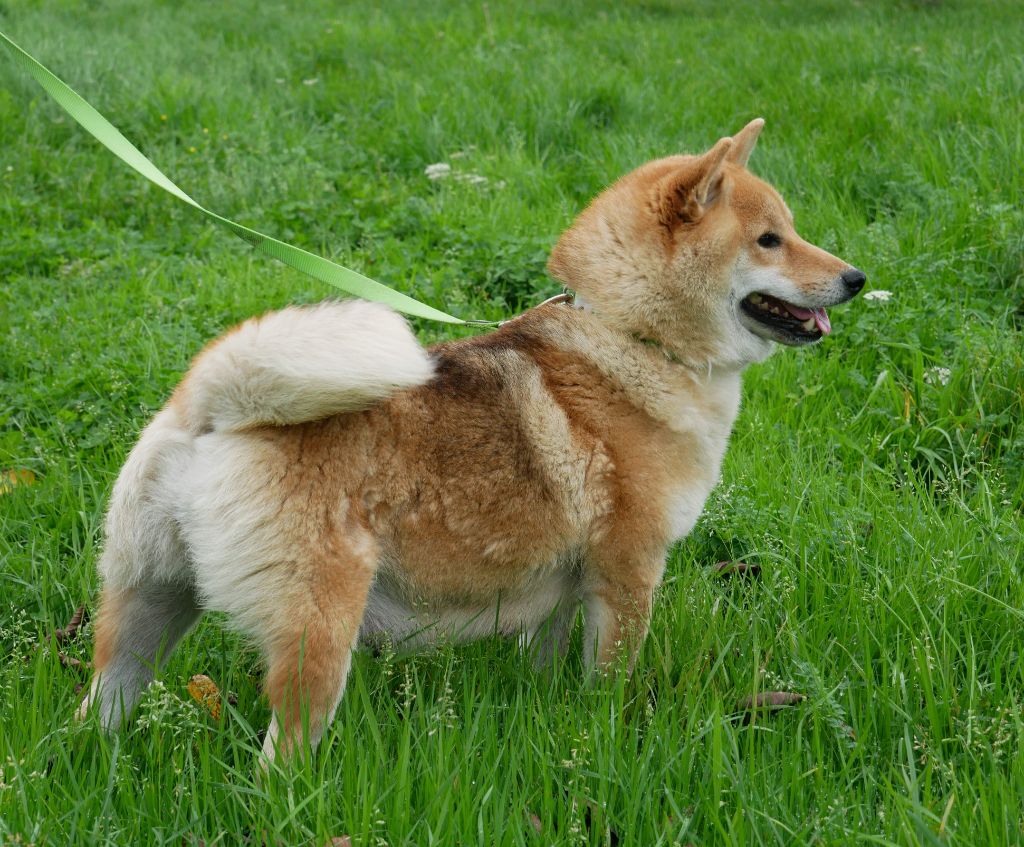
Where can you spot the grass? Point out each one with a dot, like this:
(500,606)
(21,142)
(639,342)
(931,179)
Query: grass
(877,478)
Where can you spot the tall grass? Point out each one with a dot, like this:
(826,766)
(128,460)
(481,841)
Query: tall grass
(877,479)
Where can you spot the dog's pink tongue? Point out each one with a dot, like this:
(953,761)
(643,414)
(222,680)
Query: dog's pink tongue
(821,319)
(802,314)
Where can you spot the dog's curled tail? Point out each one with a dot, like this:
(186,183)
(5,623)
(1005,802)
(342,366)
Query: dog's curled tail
(301,364)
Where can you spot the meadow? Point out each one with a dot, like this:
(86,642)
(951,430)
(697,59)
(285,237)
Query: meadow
(876,478)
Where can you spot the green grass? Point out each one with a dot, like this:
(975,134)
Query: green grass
(882,498)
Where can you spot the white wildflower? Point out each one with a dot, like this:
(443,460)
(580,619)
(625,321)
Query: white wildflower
(472,179)
(439,170)
(937,376)
(312,81)
(161,708)
(878,294)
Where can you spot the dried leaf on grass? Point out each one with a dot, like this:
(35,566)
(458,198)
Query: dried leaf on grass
(13,477)
(534,822)
(206,693)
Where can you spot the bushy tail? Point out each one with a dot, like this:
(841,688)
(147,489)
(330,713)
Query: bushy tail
(301,364)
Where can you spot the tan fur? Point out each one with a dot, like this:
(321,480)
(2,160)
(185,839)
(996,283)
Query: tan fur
(510,480)
(105,637)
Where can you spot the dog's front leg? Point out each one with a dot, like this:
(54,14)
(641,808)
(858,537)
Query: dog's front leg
(618,604)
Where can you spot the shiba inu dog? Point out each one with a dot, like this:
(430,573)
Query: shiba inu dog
(325,480)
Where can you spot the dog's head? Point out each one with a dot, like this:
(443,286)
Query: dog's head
(698,254)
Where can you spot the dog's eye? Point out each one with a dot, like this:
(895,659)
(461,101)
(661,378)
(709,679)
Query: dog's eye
(769,239)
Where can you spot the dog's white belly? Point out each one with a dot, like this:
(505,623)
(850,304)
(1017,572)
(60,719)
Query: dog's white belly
(390,615)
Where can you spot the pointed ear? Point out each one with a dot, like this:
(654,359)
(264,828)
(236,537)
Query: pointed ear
(744,141)
(710,184)
(687,195)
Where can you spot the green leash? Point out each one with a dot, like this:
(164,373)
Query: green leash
(302,260)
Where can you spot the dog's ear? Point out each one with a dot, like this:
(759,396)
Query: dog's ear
(686,195)
(744,141)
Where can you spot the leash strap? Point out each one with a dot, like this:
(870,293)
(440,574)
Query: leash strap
(302,260)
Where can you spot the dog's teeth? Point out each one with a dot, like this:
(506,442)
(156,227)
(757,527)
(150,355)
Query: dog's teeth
(808,324)
(755,298)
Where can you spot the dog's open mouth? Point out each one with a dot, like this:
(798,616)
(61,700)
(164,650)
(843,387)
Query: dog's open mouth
(786,323)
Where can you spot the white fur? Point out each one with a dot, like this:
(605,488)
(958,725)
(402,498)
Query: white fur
(544,608)
(304,363)
(749,277)
(224,504)
(685,506)
(686,503)
(141,539)
(299,364)
(711,437)
(188,526)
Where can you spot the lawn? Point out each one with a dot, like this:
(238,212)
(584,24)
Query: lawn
(876,478)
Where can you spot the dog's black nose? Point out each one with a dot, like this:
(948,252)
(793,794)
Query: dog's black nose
(853,279)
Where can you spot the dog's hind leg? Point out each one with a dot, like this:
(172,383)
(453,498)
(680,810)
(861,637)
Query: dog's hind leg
(550,640)
(313,629)
(136,629)
(147,603)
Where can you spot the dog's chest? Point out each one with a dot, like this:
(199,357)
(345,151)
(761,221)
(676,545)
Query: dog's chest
(708,424)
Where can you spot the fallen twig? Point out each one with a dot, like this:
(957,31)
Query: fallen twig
(770,701)
(70,632)
(741,569)
(71,662)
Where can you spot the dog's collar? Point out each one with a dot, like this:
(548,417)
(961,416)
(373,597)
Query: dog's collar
(578,302)
(661,348)
(674,358)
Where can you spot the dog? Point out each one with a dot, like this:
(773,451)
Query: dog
(325,480)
